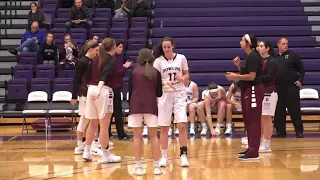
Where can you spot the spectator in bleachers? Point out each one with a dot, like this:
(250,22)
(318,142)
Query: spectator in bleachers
(31,40)
(117,86)
(37,14)
(234,103)
(48,53)
(133,8)
(105,4)
(80,16)
(214,98)
(95,39)
(68,52)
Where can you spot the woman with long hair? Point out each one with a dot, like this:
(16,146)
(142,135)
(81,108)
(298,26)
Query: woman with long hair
(174,72)
(252,90)
(269,104)
(234,103)
(90,51)
(37,14)
(120,69)
(99,105)
(68,52)
(48,52)
(145,87)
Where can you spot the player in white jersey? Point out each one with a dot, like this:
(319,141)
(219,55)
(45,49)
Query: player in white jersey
(214,98)
(174,72)
(192,100)
(233,103)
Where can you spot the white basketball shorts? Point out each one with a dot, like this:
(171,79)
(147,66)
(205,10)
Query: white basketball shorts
(269,104)
(96,109)
(136,120)
(172,101)
(82,105)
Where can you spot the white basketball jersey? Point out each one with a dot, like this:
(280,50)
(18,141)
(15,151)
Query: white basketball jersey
(236,96)
(170,68)
(189,90)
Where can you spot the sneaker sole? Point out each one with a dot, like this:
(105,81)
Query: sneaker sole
(107,162)
(87,159)
(158,173)
(78,153)
(185,165)
(248,159)
(268,151)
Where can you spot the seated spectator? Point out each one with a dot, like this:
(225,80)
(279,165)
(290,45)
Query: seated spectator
(48,53)
(68,51)
(105,4)
(31,40)
(126,7)
(95,39)
(141,9)
(37,14)
(134,8)
(80,16)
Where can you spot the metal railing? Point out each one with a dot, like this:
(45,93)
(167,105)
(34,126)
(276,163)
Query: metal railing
(8,16)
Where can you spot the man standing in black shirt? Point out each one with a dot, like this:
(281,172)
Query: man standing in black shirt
(289,80)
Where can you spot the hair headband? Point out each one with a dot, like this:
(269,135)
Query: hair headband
(213,90)
(247,37)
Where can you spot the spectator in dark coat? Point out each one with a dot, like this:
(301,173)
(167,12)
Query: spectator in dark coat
(37,14)
(48,53)
(80,16)
(68,51)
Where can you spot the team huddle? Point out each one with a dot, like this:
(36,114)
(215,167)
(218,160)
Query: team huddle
(160,86)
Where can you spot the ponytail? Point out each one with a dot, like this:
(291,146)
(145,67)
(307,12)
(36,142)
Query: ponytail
(107,45)
(148,71)
(102,55)
(146,58)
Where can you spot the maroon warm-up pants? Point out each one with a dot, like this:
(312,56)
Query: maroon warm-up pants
(251,101)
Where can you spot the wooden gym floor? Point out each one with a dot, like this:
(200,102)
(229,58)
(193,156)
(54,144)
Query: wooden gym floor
(32,156)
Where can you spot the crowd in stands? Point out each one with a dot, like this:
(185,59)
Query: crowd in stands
(38,37)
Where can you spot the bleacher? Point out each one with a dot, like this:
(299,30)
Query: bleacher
(207,32)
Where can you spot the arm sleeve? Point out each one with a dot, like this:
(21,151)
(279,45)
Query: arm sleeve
(29,18)
(80,71)
(253,63)
(107,70)
(42,38)
(70,15)
(62,52)
(298,64)
(88,14)
(159,85)
(272,68)
(23,38)
(55,54)
(40,16)
(40,53)
(185,66)
(130,87)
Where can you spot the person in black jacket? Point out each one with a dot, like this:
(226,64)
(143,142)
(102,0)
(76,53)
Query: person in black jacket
(288,83)
(37,14)
(80,16)
(48,53)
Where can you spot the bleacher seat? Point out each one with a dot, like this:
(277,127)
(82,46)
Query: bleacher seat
(17,90)
(100,32)
(121,22)
(101,22)
(66,72)
(41,84)
(102,13)
(45,71)
(28,58)
(136,44)
(139,22)
(119,33)
(23,71)
(139,32)
(62,84)
(309,100)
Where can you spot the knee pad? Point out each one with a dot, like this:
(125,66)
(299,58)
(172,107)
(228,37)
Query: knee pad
(82,123)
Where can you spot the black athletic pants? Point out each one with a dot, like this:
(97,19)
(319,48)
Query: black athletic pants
(117,113)
(288,97)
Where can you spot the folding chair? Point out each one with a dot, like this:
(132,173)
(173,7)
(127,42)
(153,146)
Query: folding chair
(61,105)
(36,105)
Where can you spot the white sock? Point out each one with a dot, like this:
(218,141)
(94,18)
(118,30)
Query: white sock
(266,144)
(191,125)
(139,163)
(105,152)
(204,125)
(87,147)
(79,143)
(164,153)
(218,125)
(156,164)
(229,125)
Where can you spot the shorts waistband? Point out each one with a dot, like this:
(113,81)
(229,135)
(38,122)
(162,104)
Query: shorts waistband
(104,87)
